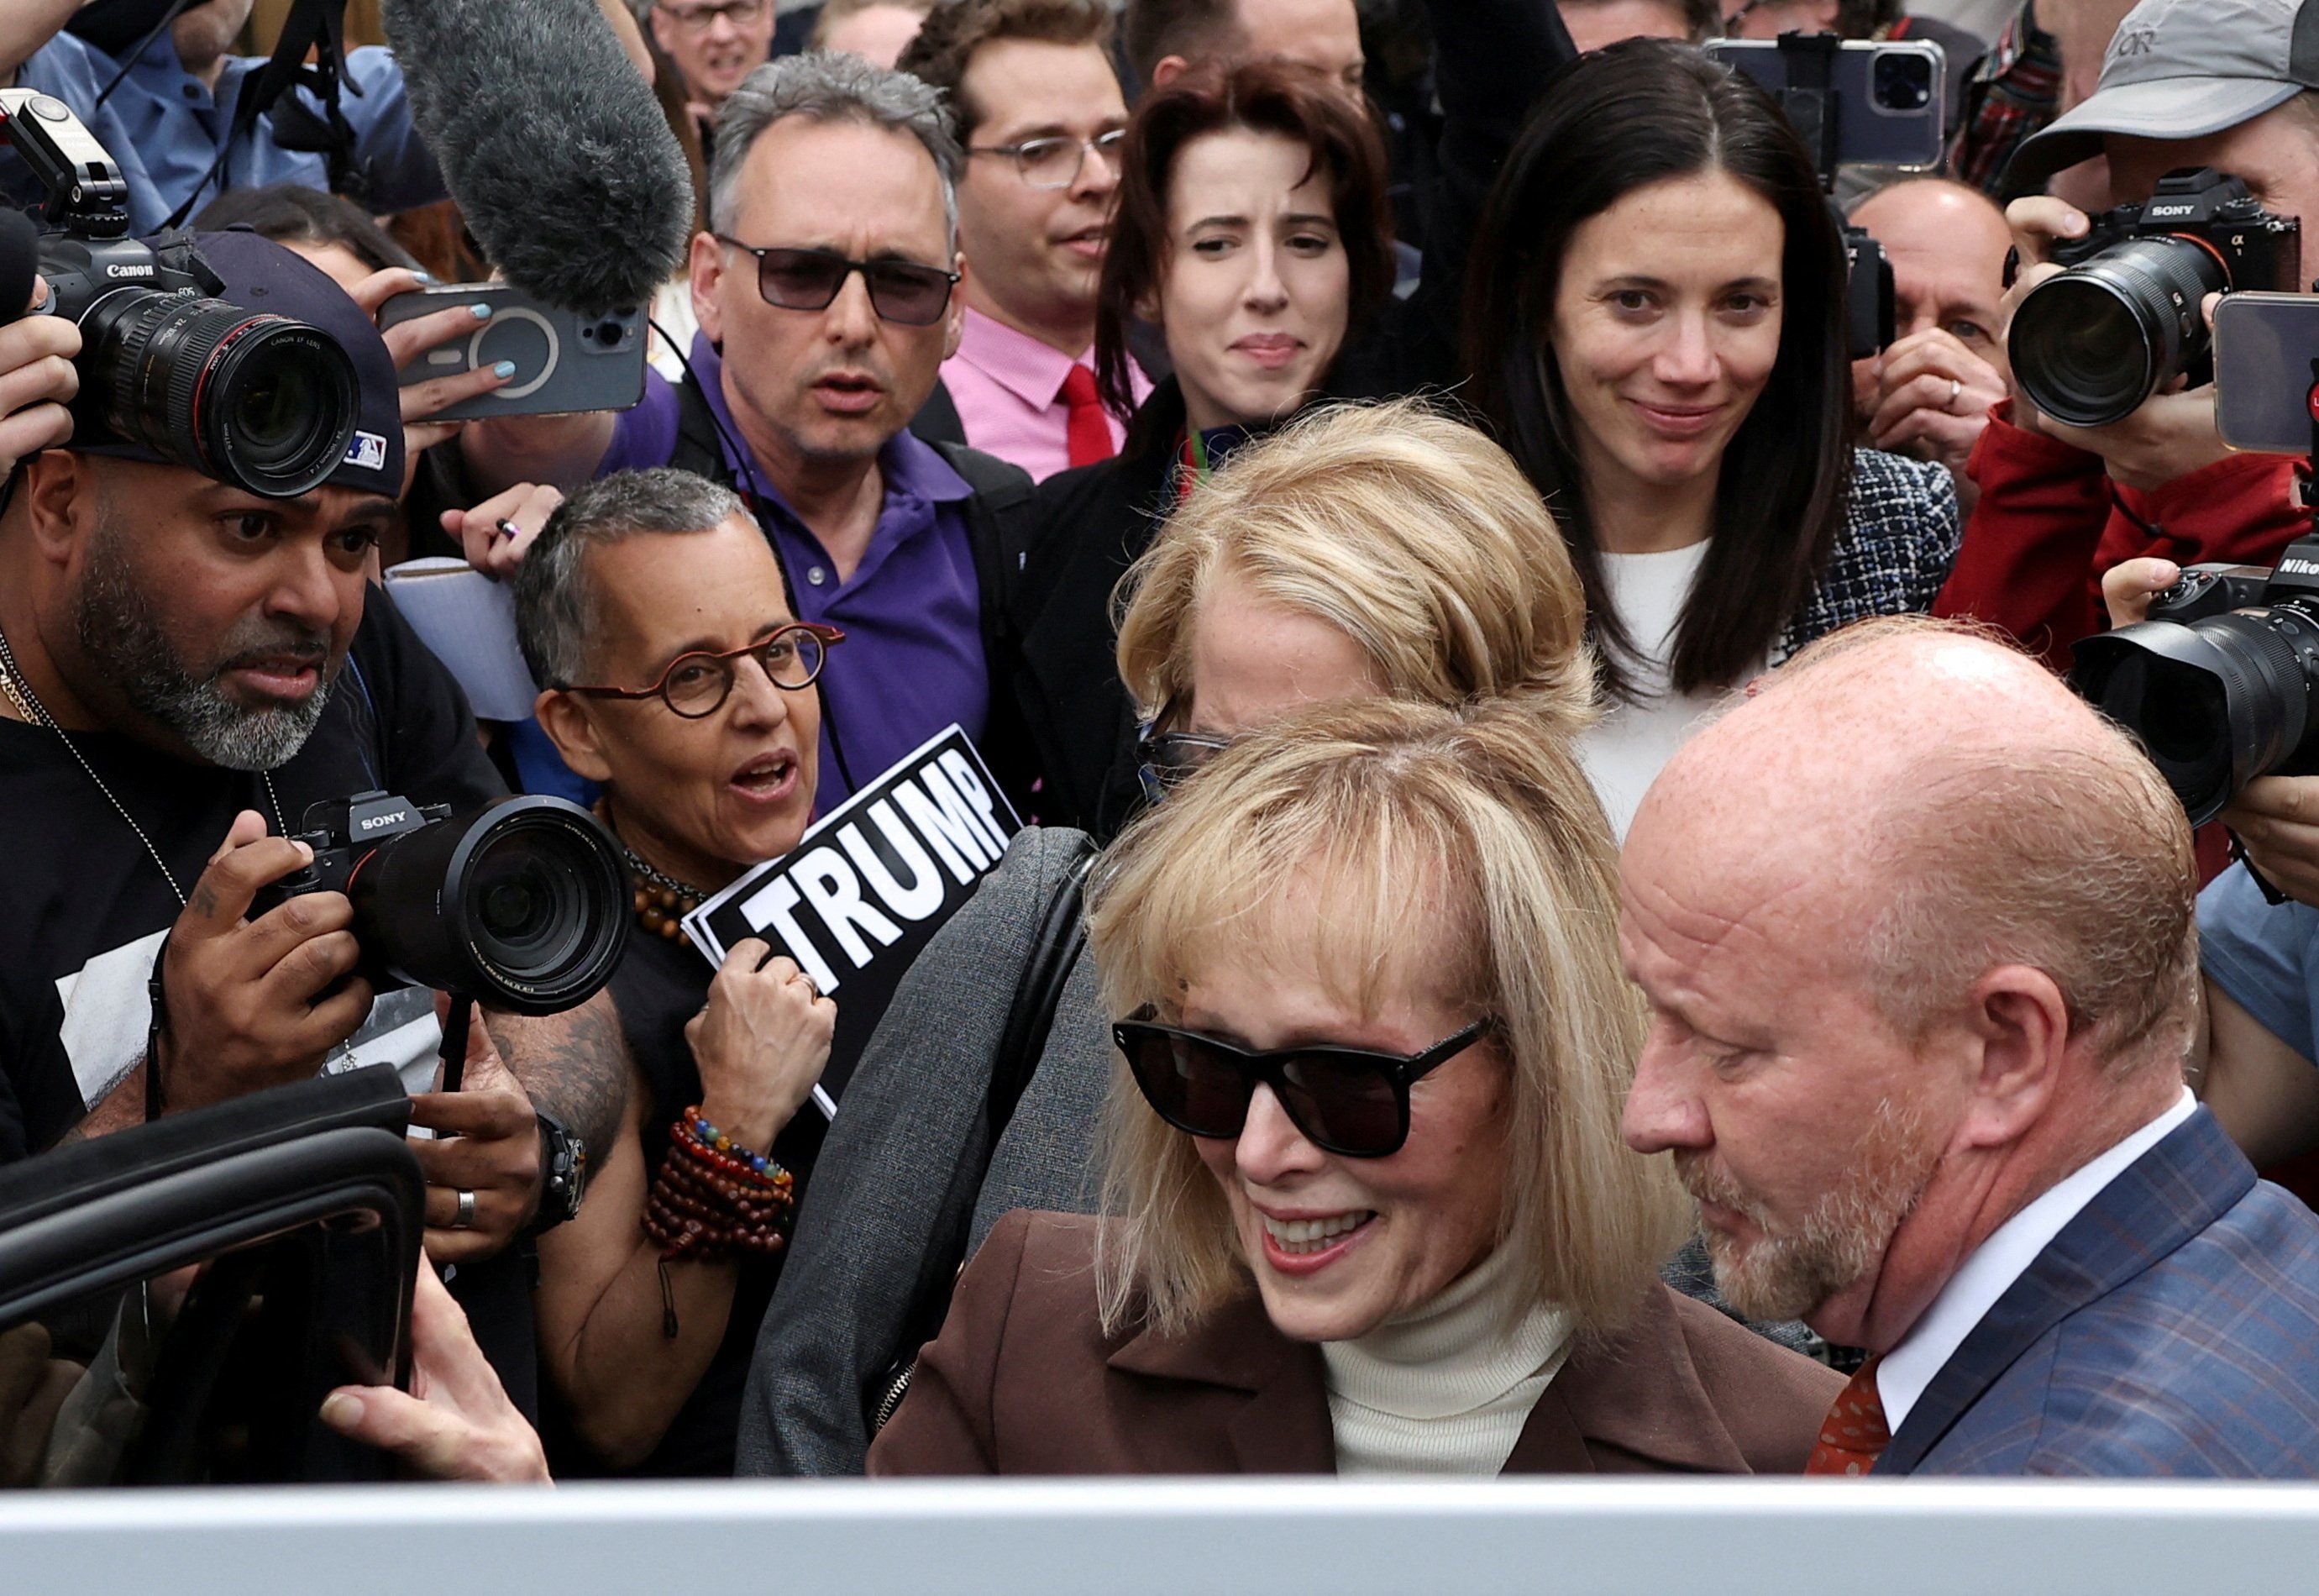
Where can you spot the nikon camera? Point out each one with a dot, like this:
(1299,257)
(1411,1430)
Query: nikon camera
(2090,344)
(522,904)
(264,404)
(2219,681)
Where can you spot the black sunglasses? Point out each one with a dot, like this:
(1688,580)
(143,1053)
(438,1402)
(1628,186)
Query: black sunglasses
(1353,1102)
(900,290)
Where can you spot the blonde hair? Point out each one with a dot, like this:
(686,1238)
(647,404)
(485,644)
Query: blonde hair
(1466,841)
(1411,533)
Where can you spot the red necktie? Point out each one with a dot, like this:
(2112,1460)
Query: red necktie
(1087,436)
(1854,1435)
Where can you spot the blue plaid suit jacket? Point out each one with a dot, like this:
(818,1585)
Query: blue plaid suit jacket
(2173,1327)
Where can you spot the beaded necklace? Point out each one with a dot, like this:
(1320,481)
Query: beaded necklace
(661,901)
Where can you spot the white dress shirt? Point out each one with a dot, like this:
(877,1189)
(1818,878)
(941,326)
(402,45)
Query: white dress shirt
(1999,1261)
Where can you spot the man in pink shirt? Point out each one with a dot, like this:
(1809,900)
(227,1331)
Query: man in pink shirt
(1040,113)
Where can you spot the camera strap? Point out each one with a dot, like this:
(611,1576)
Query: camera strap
(313,27)
(1807,101)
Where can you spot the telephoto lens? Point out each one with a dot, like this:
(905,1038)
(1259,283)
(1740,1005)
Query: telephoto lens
(260,401)
(523,904)
(2090,347)
(2220,683)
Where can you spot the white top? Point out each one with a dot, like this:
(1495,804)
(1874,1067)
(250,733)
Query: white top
(1999,1261)
(1438,1391)
(1623,752)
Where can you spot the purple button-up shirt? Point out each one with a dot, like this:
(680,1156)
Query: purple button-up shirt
(1008,388)
(913,662)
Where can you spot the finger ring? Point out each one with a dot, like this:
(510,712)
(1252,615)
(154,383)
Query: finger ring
(808,981)
(1955,388)
(465,1219)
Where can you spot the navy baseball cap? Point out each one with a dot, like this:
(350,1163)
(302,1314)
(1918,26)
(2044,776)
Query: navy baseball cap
(262,276)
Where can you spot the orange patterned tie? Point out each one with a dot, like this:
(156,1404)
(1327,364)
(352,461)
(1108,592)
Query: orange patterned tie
(1853,1434)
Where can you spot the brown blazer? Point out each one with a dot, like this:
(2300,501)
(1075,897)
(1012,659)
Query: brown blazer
(1022,1381)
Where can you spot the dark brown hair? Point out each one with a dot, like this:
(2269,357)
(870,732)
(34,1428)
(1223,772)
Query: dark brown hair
(1636,112)
(947,40)
(1196,30)
(1296,103)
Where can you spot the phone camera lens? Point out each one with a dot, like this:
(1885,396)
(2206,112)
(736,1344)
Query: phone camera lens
(1903,82)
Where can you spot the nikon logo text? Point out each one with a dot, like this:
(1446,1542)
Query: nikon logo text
(2300,567)
(373,822)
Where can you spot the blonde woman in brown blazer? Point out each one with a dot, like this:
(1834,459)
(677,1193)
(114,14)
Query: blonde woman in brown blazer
(1369,1208)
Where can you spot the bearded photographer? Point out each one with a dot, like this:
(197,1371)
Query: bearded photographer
(188,665)
(2186,84)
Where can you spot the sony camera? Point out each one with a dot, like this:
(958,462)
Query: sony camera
(522,904)
(2090,344)
(263,402)
(2219,681)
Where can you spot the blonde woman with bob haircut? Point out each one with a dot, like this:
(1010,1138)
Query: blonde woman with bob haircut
(1369,1206)
(1384,545)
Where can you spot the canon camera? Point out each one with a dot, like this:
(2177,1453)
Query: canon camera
(2219,681)
(2090,344)
(522,904)
(262,403)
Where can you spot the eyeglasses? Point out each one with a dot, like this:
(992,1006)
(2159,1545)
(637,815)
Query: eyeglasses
(697,684)
(1349,1101)
(900,290)
(1056,162)
(699,19)
(1166,760)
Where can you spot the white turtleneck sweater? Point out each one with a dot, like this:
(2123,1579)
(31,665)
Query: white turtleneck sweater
(1437,1390)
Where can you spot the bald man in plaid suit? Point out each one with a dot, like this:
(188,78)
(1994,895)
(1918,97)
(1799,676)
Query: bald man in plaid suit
(1917,929)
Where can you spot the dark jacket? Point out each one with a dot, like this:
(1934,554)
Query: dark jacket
(2170,1328)
(1490,56)
(1023,1380)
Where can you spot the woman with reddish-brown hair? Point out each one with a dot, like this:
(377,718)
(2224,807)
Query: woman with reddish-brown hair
(1253,236)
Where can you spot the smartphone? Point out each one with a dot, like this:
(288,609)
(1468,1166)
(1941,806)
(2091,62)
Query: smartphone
(2264,345)
(1888,93)
(563,361)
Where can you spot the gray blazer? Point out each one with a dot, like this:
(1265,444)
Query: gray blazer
(905,1162)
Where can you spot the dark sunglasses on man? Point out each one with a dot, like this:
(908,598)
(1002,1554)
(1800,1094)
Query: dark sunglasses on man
(696,685)
(1353,1102)
(902,291)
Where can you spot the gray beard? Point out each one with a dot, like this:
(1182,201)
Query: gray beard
(119,633)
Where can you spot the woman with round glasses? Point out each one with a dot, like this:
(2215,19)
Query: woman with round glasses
(653,615)
(1367,1209)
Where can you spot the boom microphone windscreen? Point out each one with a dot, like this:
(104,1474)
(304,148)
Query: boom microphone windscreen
(552,143)
(19,247)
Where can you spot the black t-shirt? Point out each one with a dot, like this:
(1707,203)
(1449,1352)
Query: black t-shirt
(660,985)
(82,907)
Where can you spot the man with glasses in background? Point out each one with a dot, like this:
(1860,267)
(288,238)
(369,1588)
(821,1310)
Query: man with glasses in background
(1039,111)
(715,45)
(827,294)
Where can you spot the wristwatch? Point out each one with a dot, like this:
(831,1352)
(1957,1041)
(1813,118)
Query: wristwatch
(562,1174)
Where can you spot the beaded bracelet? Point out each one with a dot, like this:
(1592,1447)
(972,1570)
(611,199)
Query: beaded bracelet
(712,1198)
(709,1136)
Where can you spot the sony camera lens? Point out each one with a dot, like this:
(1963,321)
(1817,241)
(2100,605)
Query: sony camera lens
(2090,346)
(263,402)
(1902,82)
(525,904)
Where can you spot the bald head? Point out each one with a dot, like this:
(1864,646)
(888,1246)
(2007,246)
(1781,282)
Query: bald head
(1941,803)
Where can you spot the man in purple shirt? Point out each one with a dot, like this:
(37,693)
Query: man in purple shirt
(1038,107)
(825,293)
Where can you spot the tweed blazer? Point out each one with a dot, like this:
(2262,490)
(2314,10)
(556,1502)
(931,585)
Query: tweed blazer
(1023,1380)
(2170,1328)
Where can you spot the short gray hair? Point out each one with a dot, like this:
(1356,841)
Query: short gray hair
(554,602)
(830,88)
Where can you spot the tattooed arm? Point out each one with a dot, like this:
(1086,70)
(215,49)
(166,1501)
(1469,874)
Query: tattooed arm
(575,1067)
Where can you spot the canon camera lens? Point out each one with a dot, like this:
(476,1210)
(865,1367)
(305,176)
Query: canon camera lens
(263,402)
(524,905)
(2090,346)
